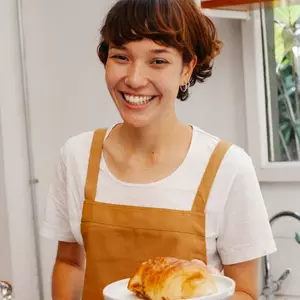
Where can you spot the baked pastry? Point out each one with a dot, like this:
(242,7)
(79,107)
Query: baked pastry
(166,278)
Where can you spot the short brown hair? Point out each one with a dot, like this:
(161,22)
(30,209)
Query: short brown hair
(173,23)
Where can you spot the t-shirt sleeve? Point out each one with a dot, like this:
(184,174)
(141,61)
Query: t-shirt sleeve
(245,232)
(56,224)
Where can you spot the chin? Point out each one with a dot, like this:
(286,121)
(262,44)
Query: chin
(137,124)
(136,121)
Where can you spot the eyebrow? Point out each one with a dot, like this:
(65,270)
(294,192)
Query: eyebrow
(160,51)
(118,48)
(153,51)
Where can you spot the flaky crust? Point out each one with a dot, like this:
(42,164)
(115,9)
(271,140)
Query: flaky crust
(167,278)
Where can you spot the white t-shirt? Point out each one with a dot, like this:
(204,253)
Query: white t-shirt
(237,226)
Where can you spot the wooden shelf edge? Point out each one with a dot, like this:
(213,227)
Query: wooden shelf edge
(226,14)
(245,5)
(231,3)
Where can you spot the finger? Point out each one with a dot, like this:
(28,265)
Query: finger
(213,270)
(200,262)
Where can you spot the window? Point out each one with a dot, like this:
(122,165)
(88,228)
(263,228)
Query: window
(281,35)
(271,48)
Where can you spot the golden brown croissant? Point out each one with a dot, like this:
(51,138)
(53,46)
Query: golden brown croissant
(167,278)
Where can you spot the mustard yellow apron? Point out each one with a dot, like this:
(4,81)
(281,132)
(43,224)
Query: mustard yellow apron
(117,238)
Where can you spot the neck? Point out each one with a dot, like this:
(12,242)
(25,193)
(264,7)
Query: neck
(152,138)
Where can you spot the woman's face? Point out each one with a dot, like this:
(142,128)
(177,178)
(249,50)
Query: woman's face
(143,79)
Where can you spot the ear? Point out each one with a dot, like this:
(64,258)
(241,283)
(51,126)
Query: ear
(188,70)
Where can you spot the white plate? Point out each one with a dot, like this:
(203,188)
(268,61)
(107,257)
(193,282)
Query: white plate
(118,290)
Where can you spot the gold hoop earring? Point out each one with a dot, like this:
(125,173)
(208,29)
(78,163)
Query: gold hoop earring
(185,87)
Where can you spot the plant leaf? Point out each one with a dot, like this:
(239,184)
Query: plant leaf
(297,236)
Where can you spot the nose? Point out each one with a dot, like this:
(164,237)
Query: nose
(136,76)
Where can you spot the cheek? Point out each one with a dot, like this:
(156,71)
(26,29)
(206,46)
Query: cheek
(108,78)
(168,85)
(111,76)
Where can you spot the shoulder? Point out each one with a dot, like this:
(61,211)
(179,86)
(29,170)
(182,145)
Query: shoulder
(82,141)
(77,144)
(236,159)
(77,147)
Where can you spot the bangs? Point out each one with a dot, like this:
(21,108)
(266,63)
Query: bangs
(145,19)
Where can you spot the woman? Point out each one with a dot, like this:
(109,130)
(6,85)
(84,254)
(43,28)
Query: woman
(163,188)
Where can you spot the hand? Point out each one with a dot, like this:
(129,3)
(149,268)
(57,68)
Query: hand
(210,269)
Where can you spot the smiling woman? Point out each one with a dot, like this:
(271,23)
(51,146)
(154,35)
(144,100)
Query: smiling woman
(171,48)
(152,186)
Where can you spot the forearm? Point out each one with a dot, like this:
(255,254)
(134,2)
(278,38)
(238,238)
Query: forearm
(67,281)
(241,296)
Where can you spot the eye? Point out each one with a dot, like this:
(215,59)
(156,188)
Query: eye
(159,62)
(119,57)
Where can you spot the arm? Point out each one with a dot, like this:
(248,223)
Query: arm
(68,270)
(245,275)
(241,296)
(68,273)
(245,234)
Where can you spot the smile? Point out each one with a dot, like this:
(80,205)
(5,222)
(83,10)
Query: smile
(137,100)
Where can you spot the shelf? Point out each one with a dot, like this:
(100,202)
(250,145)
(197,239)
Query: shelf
(245,5)
(239,9)
(227,14)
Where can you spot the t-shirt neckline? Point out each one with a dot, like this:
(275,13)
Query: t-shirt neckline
(104,167)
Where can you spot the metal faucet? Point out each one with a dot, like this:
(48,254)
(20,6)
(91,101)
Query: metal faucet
(5,290)
(271,286)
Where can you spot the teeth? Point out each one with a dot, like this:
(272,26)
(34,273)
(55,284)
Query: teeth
(137,100)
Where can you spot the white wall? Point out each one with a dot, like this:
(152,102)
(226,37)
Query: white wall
(67,95)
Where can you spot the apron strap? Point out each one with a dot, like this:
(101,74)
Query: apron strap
(209,176)
(94,165)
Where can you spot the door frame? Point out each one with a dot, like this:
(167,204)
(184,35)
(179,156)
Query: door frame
(23,268)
